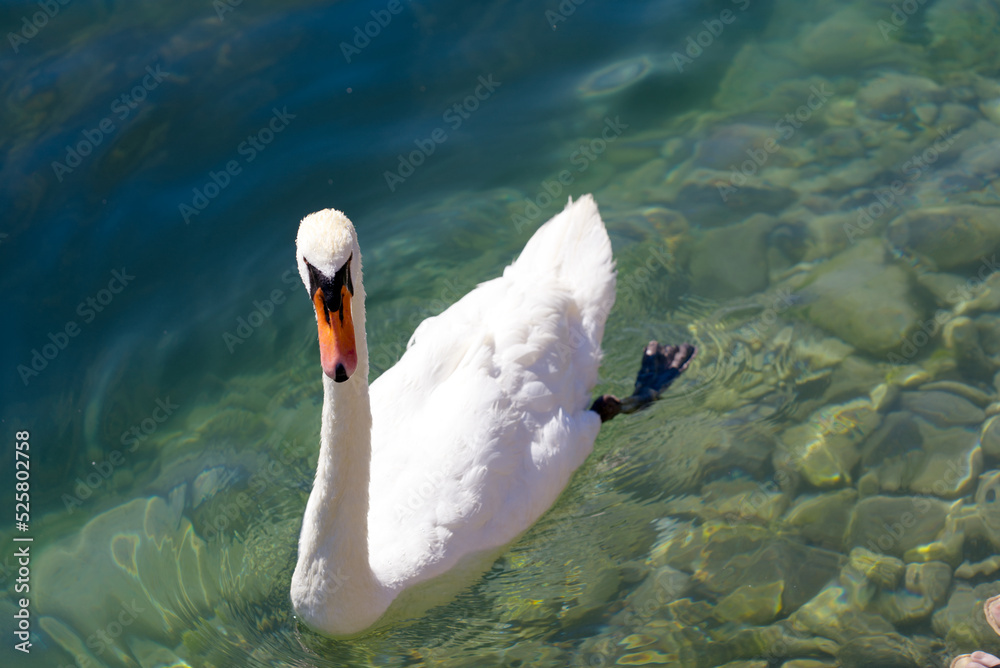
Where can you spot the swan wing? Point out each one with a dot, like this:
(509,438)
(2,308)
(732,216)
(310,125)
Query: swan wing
(479,426)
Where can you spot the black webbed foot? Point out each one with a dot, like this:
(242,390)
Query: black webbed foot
(660,366)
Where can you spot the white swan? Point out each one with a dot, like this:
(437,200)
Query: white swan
(471,436)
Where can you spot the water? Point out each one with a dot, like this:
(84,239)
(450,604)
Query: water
(161,352)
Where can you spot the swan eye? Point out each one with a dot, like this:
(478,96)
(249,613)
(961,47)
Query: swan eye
(333,291)
(332,288)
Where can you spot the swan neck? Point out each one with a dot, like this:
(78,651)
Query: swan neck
(333,577)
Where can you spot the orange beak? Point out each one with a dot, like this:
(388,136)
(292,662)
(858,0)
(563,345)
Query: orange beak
(337,350)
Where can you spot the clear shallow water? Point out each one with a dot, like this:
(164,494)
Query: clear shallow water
(174,417)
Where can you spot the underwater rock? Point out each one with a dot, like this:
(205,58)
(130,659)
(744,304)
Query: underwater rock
(860,298)
(880,569)
(895,524)
(853,377)
(734,501)
(991,110)
(909,376)
(988,492)
(845,42)
(687,611)
(943,409)
(989,437)
(964,33)
(977,523)
(648,658)
(751,604)
(868,484)
(931,579)
(894,96)
(763,358)
(825,449)
(728,145)
(823,234)
(950,462)
(659,642)
(957,116)
(955,181)
(712,198)
(945,288)
(680,543)
(774,642)
(662,587)
(821,519)
(926,587)
(984,297)
(983,159)
(888,650)
(961,621)
(634,571)
(836,613)
(988,327)
(843,177)
(747,557)
(892,452)
(820,352)
(950,237)
(884,397)
(731,261)
(788,244)
(713,448)
(593,593)
(973,394)
(961,337)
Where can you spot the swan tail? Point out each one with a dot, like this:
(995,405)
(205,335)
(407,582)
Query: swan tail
(574,249)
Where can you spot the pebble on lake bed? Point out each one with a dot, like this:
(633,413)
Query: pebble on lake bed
(862,298)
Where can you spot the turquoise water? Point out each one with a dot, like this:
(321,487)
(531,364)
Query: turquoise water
(807,192)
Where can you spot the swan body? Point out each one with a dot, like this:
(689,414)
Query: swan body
(463,444)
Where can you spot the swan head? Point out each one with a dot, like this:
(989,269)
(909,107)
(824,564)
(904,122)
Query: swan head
(329,265)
